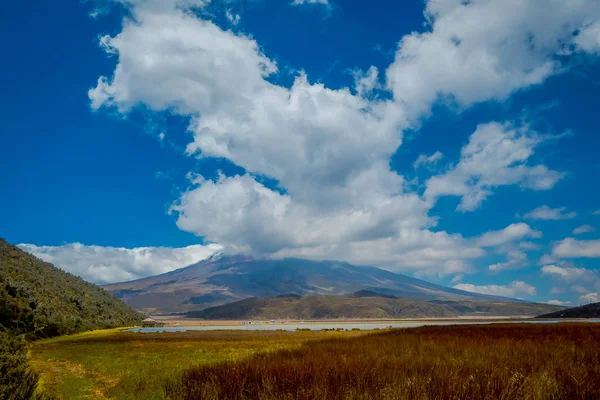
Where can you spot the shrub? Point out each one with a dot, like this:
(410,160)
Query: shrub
(17,381)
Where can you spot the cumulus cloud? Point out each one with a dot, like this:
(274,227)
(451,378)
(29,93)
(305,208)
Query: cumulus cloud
(103,265)
(425,160)
(515,259)
(593,297)
(514,289)
(475,51)
(597,212)
(546,213)
(329,149)
(511,233)
(496,155)
(583,229)
(573,248)
(567,274)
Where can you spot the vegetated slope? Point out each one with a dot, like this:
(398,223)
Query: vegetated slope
(587,311)
(362,304)
(511,361)
(40,300)
(220,280)
(17,381)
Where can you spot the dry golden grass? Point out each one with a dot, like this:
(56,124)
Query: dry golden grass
(554,361)
(115,365)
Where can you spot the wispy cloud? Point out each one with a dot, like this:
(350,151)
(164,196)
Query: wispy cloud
(583,229)
(558,302)
(547,213)
(425,160)
(514,289)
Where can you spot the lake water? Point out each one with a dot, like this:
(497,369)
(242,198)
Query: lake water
(320,326)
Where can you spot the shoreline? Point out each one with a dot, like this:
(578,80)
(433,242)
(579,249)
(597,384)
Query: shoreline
(171,321)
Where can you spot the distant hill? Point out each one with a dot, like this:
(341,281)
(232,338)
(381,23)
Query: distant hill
(40,300)
(362,304)
(587,311)
(223,279)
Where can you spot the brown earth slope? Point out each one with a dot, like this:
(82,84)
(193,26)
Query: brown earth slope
(362,304)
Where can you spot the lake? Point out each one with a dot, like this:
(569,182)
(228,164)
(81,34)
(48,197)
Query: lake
(349,326)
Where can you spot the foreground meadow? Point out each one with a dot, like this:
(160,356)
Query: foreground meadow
(116,365)
(510,361)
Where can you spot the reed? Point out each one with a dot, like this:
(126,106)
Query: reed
(511,361)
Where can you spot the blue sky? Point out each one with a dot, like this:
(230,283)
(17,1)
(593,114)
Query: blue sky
(142,135)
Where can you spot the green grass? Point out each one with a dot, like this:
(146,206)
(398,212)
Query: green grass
(115,365)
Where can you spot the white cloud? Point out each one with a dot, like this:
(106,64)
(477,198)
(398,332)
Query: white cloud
(558,302)
(303,2)
(515,259)
(266,221)
(591,298)
(329,150)
(579,289)
(567,274)
(583,229)
(547,213)
(480,50)
(496,155)
(597,212)
(278,226)
(503,266)
(511,233)
(573,248)
(366,82)
(234,19)
(557,290)
(425,160)
(102,265)
(514,289)
(588,39)
(547,259)
(529,246)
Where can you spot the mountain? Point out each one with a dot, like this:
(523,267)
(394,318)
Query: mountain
(40,300)
(587,311)
(224,279)
(362,304)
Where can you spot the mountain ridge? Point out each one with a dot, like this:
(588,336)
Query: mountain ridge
(223,279)
(363,304)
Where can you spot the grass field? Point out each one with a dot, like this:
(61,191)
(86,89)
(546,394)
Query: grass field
(115,365)
(553,361)
(507,361)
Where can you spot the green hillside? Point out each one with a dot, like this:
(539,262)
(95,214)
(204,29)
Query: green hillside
(40,300)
